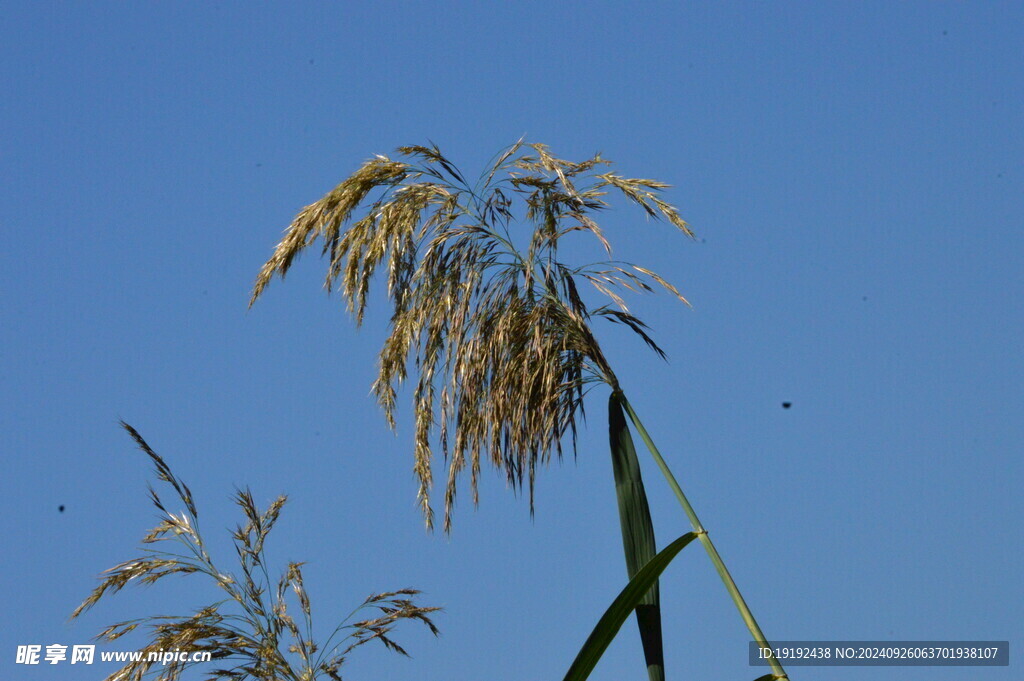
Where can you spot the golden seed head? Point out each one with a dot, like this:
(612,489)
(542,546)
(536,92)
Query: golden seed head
(498,336)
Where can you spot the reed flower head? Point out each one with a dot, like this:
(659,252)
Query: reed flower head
(485,314)
(249,629)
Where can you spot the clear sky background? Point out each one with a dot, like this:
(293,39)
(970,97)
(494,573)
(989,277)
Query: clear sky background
(854,172)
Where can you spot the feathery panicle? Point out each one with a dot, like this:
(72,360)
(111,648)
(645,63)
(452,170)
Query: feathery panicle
(324,218)
(497,334)
(251,627)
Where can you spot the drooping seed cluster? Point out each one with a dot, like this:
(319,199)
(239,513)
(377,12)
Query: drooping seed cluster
(497,335)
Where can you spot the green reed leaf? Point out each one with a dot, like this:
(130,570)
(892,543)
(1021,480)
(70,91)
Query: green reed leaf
(617,613)
(638,541)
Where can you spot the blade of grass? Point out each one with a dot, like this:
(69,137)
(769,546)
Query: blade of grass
(637,534)
(716,560)
(617,613)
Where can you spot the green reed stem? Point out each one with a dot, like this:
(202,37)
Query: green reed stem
(705,539)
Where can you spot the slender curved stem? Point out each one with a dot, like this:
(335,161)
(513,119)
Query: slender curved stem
(705,539)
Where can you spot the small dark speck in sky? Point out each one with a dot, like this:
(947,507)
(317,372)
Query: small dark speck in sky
(864,297)
(945,33)
(310,61)
(61,508)
(787,405)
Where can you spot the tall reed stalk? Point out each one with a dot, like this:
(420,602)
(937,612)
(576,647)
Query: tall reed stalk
(492,322)
(705,539)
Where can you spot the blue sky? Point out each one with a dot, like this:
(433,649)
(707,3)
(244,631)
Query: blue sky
(854,174)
